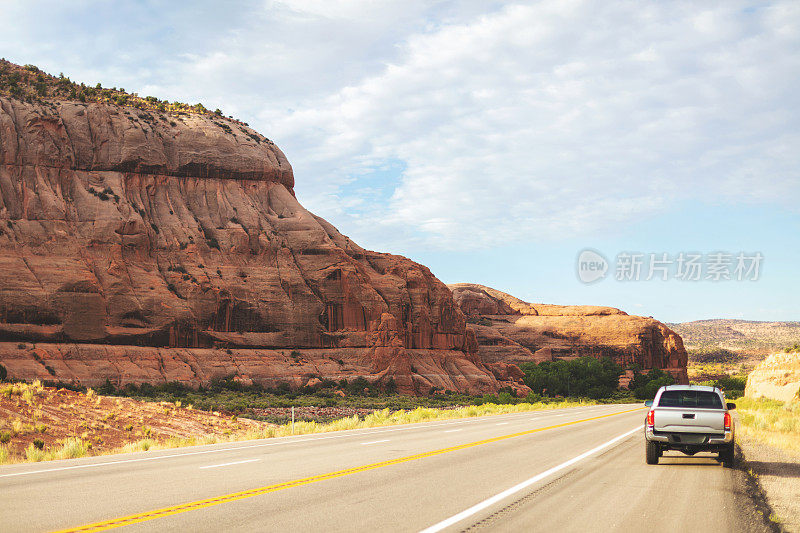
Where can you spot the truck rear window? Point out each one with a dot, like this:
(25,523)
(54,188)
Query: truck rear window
(690,398)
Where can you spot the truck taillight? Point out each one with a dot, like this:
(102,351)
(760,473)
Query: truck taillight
(651,418)
(727,421)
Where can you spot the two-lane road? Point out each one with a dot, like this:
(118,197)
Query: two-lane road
(569,469)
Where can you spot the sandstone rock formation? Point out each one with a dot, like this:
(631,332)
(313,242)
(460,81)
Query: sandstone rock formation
(777,377)
(143,246)
(510,330)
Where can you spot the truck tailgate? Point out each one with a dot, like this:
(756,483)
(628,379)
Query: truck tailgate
(681,420)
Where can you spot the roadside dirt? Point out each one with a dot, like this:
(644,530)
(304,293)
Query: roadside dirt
(778,473)
(50,415)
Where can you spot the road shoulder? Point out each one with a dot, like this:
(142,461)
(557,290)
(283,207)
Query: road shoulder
(775,473)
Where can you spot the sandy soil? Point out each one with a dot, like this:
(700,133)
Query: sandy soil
(52,415)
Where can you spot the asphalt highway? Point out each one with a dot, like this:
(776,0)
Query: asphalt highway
(574,469)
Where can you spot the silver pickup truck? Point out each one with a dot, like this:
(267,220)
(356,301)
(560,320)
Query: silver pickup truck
(689,419)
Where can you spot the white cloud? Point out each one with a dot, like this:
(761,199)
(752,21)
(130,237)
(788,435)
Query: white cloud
(546,120)
(510,123)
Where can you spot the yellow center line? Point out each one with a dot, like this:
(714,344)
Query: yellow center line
(199,504)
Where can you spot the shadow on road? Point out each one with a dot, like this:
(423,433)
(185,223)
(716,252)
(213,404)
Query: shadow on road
(686,460)
(778,469)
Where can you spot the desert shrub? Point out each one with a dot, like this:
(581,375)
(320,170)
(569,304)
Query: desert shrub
(5,437)
(34,454)
(3,373)
(38,444)
(106,388)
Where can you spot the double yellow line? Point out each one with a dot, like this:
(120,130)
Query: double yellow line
(191,506)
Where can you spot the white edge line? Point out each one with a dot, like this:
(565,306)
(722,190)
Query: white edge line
(288,440)
(374,442)
(229,464)
(516,488)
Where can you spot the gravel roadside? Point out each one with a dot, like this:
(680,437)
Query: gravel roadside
(778,473)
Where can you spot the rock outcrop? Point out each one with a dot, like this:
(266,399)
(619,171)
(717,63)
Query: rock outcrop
(777,377)
(144,246)
(509,330)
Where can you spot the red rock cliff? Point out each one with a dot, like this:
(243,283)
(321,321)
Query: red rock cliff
(510,330)
(146,247)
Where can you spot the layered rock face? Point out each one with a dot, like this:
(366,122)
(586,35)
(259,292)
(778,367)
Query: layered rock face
(149,247)
(777,377)
(510,330)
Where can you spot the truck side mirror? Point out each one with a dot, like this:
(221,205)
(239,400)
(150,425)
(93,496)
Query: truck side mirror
(731,406)
(649,403)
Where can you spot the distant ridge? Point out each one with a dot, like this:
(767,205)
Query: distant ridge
(750,336)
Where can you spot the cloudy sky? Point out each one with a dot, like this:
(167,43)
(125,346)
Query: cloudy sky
(493,141)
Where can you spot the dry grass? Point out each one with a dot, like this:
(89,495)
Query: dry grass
(40,423)
(141,441)
(380,418)
(770,422)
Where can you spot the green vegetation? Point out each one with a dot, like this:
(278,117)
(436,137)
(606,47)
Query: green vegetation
(589,377)
(551,383)
(790,349)
(31,84)
(733,386)
(645,386)
(70,449)
(583,377)
(336,399)
(770,421)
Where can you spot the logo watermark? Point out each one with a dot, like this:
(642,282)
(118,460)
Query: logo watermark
(592,266)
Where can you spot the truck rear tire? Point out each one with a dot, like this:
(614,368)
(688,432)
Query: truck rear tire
(652,452)
(728,456)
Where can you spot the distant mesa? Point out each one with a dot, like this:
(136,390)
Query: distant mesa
(510,330)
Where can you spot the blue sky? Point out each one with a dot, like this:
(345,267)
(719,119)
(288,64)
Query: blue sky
(492,141)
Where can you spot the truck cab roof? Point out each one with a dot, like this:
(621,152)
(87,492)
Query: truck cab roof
(692,387)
